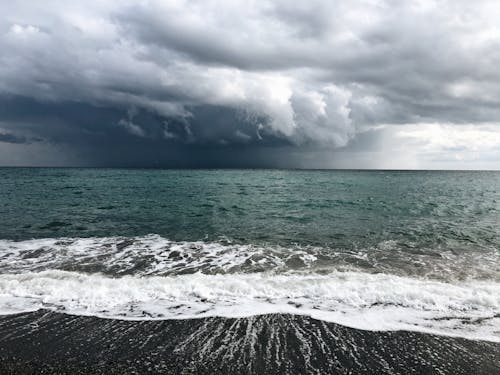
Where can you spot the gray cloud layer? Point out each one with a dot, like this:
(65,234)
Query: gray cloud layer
(202,80)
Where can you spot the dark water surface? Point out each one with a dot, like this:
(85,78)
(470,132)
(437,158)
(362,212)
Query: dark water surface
(352,209)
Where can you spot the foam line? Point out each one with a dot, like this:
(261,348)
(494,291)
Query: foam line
(356,299)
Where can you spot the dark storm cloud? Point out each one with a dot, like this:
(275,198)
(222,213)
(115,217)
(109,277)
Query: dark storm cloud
(109,136)
(168,81)
(12,138)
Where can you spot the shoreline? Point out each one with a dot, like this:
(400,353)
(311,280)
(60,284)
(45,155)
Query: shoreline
(50,342)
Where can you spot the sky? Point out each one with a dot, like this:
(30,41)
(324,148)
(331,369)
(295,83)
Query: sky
(277,84)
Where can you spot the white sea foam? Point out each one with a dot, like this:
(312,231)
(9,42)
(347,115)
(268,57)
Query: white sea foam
(150,277)
(153,255)
(145,255)
(356,299)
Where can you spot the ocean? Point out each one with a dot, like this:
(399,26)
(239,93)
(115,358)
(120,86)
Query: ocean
(246,253)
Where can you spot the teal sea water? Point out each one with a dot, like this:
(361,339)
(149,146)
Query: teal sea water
(369,249)
(351,209)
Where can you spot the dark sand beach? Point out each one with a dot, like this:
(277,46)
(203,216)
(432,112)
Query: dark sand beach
(47,342)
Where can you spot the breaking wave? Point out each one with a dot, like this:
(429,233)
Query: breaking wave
(358,300)
(151,277)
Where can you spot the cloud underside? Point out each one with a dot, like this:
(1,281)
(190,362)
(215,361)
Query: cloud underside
(254,83)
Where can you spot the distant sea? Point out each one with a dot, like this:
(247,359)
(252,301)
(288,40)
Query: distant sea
(380,252)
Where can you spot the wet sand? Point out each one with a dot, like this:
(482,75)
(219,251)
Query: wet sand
(47,342)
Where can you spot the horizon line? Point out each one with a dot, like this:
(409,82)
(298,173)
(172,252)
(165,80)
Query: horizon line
(247,168)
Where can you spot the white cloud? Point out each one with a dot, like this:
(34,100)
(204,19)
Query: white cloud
(437,146)
(452,137)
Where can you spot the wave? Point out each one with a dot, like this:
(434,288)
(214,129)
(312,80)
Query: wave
(153,255)
(469,309)
(390,286)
